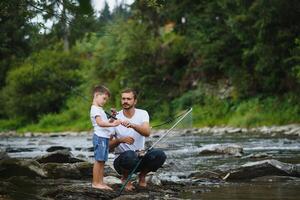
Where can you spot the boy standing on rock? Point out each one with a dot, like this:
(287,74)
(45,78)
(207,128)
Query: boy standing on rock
(102,132)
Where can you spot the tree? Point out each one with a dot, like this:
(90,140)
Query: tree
(40,85)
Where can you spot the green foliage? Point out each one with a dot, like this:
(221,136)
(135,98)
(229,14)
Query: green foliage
(212,112)
(17,35)
(269,111)
(35,88)
(11,124)
(75,117)
(167,50)
(248,113)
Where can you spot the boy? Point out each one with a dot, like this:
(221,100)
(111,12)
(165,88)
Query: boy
(102,131)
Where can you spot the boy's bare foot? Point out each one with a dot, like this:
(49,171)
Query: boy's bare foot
(102,187)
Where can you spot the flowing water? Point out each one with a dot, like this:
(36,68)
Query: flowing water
(183,159)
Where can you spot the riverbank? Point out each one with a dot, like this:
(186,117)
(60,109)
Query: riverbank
(288,130)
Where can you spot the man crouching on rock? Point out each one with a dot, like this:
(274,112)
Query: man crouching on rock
(129,141)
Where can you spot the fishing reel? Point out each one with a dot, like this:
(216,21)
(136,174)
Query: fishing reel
(112,115)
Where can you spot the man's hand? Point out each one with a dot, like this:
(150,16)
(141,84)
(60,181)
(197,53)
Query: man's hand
(127,140)
(143,129)
(127,124)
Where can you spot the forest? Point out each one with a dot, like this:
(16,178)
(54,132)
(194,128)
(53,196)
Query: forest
(236,62)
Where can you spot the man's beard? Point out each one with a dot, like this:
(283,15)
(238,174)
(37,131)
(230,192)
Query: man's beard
(127,106)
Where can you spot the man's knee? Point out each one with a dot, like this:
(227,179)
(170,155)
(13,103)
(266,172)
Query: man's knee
(126,160)
(160,157)
(154,160)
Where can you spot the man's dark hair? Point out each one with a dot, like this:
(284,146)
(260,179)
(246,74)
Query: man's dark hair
(101,89)
(128,90)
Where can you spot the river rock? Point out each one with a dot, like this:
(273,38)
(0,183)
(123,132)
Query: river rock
(133,196)
(207,174)
(18,150)
(231,149)
(60,156)
(76,171)
(257,156)
(3,154)
(6,189)
(69,170)
(16,167)
(112,180)
(79,192)
(55,148)
(153,179)
(263,168)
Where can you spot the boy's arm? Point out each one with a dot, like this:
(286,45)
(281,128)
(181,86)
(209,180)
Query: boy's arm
(102,123)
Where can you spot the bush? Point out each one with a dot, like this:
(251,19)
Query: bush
(40,85)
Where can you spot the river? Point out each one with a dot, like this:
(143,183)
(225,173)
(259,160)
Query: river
(183,159)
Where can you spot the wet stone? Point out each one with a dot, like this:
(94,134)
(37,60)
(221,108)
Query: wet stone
(55,148)
(60,156)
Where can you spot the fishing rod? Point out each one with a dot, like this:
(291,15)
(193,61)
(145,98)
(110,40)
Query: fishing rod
(150,148)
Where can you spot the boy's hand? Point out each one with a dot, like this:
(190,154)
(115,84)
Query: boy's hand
(116,122)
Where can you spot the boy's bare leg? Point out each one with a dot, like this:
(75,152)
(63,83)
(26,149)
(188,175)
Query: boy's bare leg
(98,171)
(129,186)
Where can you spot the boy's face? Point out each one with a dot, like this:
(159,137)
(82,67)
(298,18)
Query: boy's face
(101,99)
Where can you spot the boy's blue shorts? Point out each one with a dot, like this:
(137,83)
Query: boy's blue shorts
(101,146)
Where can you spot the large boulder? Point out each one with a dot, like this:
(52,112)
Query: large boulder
(60,156)
(56,148)
(69,170)
(76,171)
(263,168)
(16,167)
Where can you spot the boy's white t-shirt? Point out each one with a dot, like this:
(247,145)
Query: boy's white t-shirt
(139,117)
(98,130)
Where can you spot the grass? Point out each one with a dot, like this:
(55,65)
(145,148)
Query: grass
(210,112)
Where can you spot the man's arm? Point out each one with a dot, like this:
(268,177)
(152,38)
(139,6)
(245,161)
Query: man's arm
(114,142)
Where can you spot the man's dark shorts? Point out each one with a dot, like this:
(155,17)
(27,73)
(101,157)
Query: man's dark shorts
(127,160)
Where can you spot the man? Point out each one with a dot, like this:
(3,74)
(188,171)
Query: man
(129,141)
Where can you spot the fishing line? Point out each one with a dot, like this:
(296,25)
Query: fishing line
(169,120)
